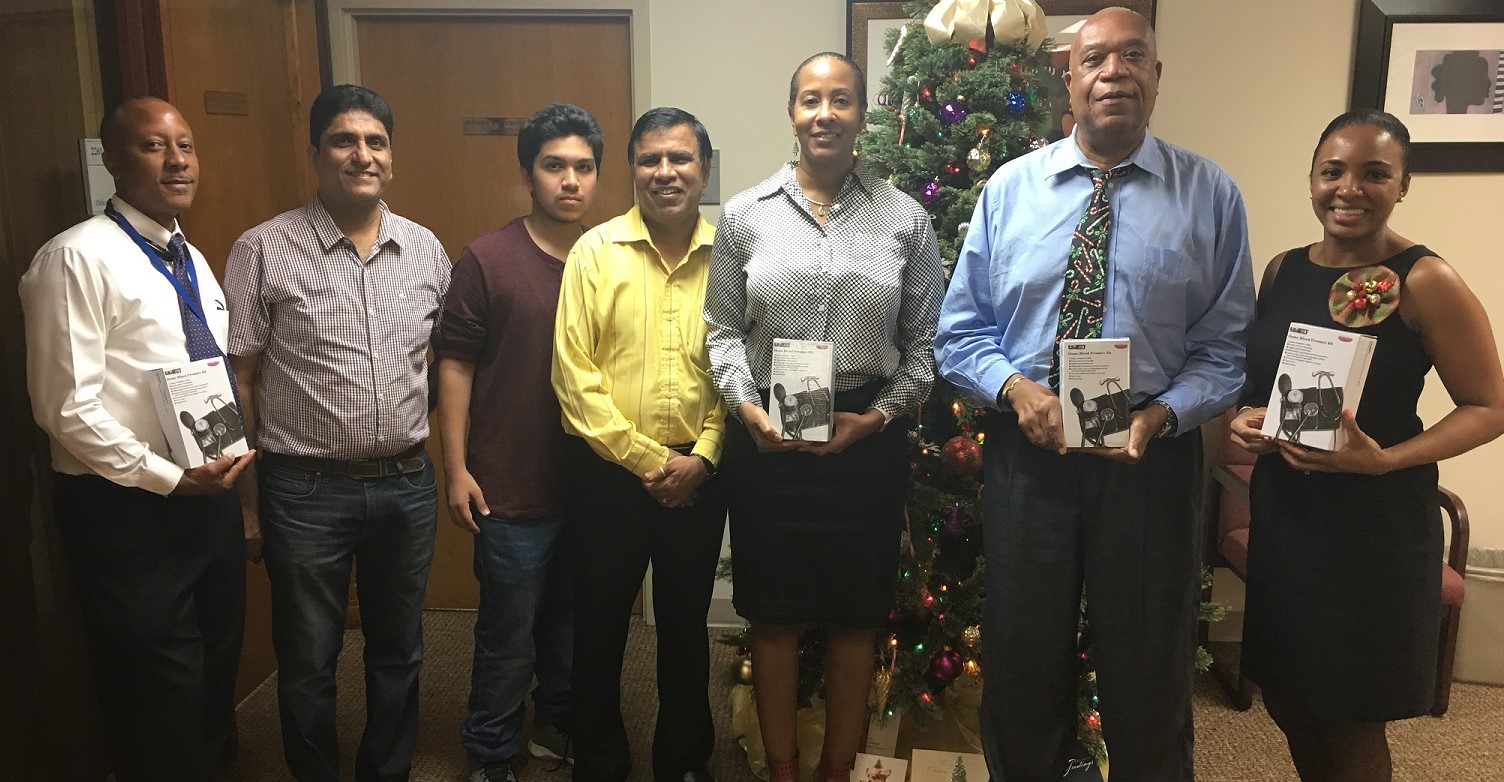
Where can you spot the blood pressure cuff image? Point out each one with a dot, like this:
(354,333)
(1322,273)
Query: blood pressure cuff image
(220,428)
(1316,408)
(1100,416)
(802,410)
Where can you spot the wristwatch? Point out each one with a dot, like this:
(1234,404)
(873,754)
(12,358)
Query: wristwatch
(709,465)
(1172,421)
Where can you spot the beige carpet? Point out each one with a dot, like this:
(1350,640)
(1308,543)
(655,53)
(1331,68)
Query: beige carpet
(1468,744)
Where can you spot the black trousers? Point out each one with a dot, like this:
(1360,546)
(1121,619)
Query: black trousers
(161,589)
(615,529)
(1129,533)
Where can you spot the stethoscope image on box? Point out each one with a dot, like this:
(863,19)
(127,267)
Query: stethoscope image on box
(218,429)
(1101,415)
(802,410)
(1317,408)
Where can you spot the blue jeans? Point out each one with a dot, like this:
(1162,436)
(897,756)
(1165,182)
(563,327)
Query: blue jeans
(525,626)
(316,526)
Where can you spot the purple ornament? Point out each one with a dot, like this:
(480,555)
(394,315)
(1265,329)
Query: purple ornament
(931,192)
(945,667)
(953,523)
(952,112)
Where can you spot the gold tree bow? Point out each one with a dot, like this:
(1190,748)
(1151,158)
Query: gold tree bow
(961,21)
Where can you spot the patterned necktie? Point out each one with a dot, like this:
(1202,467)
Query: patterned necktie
(201,342)
(1083,302)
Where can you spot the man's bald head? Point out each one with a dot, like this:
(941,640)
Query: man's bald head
(112,127)
(148,149)
(1118,18)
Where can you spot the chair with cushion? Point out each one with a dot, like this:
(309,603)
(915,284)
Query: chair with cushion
(1226,546)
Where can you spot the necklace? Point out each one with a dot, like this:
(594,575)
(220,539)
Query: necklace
(821,208)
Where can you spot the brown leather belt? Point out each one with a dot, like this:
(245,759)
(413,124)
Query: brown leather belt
(405,463)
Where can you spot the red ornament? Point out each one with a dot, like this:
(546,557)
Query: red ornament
(1094,720)
(925,93)
(961,455)
(971,61)
(976,44)
(952,169)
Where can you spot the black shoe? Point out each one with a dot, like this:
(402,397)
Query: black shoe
(500,771)
(550,742)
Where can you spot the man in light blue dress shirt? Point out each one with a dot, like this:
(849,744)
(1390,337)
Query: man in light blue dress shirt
(1120,521)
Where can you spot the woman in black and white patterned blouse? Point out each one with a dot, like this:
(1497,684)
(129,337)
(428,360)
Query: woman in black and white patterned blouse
(820,251)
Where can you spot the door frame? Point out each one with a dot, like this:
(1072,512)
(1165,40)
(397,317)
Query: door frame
(344,44)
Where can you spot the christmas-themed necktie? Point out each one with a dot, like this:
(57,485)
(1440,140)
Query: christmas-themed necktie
(1083,302)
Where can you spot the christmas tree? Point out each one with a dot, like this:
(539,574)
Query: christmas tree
(952,114)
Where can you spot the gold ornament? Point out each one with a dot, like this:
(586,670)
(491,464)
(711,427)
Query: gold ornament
(1352,295)
(881,684)
(978,159)
(1374,299)
(1369,286)
(744,671)
(972,635)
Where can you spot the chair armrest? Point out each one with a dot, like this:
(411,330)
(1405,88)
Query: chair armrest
(1457,515)
(1232,482)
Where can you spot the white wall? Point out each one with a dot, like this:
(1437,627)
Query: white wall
(1249,84)
(729,64)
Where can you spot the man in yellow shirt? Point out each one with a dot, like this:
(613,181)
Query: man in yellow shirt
(633,379)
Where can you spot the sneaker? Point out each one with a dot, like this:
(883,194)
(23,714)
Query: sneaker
(500,771)
(551,743)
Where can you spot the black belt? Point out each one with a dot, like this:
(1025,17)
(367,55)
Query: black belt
(405,463)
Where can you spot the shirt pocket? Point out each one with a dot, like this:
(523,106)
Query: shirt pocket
(1155,292)
(879,258)
(870,276)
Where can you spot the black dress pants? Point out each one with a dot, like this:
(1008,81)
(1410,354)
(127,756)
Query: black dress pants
(615,529)
(161,589)
(1129,533)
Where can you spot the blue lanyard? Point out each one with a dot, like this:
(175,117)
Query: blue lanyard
(156,261)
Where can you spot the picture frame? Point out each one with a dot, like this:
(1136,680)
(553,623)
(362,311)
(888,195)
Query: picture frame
(867,24)
(1423,61)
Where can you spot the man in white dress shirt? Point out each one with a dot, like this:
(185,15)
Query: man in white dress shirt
(156,551)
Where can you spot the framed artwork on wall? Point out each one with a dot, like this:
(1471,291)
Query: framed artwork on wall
(1438,65)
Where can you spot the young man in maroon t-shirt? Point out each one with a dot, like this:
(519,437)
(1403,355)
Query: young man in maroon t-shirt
(503,445)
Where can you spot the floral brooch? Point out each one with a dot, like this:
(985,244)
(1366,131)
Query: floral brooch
(1364,297)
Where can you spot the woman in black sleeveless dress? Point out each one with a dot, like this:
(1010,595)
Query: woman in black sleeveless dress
(1344,590)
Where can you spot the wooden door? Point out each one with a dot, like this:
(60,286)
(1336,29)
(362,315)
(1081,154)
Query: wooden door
(436,71)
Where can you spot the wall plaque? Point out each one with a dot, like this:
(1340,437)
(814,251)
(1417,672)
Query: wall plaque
(221,102)
(492,126)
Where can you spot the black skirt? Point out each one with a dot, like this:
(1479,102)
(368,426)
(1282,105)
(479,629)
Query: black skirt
(815,538)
